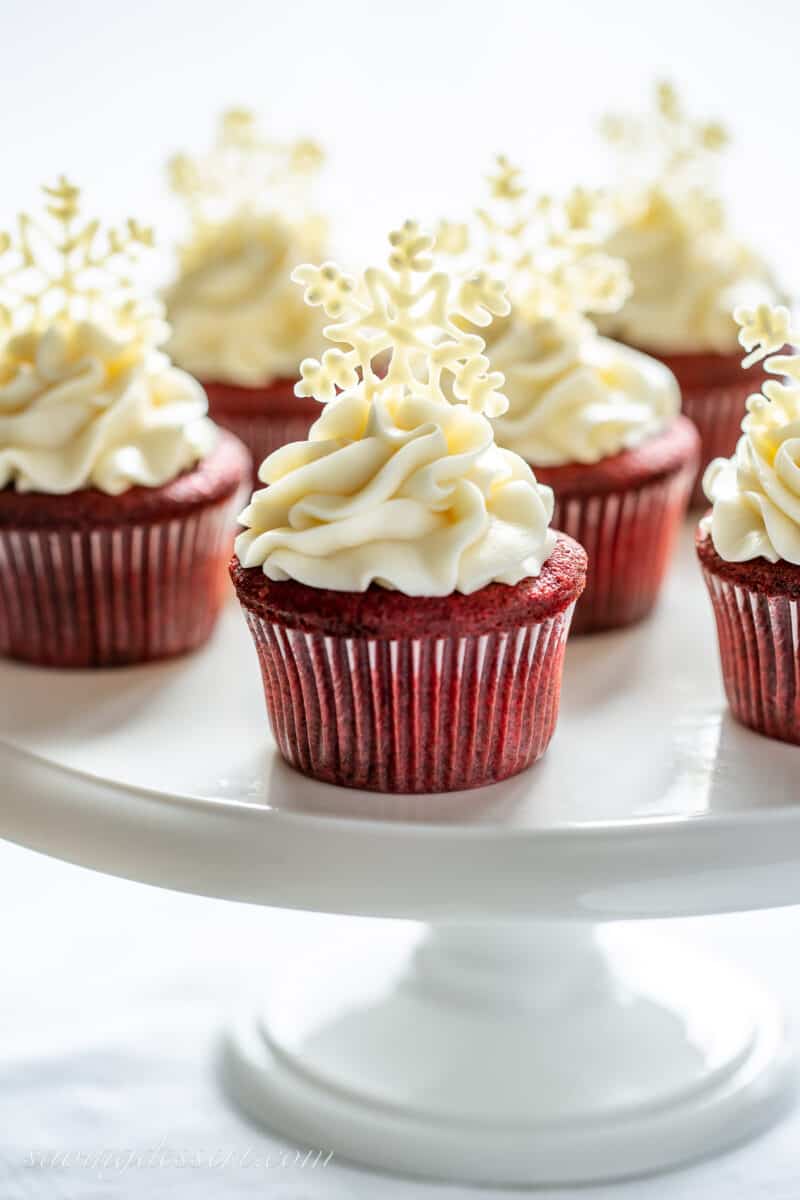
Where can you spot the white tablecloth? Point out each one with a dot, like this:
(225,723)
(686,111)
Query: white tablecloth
(112,999)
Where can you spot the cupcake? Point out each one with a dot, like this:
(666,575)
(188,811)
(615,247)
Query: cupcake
(117,493)
(749,543)
(597,421)
(238,324)
(408,600)
(689,269)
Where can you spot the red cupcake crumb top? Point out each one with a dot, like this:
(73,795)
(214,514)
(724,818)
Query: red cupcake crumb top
(656,458)
(756,575)
(381,613)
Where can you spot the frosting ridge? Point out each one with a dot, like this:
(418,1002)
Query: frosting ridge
(575,397)
(81,406)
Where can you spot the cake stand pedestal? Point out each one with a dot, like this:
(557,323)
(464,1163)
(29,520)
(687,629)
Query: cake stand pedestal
(533,1031)
(540,1053)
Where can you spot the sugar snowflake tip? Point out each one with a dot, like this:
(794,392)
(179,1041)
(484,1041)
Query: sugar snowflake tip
(409,313)
(243,169)
(668,131)
(63,265)
(763,330)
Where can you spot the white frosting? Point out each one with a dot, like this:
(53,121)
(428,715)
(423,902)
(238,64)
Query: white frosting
(236,316)
(405,491)
(577,397)
(84,406)
(756,493)
(689,272)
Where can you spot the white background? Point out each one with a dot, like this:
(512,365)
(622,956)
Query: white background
(111,992)
(411,99)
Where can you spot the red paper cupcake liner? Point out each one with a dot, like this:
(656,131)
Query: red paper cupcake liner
(112,596)
(92,580)
(759,648)
(263,418)
(413,714)
(629,537)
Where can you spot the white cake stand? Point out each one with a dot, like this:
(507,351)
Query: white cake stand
(526,1036)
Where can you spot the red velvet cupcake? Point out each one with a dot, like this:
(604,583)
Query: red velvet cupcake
(117,494)
(96,580)
(408,601)
(749,543)
(238,324)
(395,693)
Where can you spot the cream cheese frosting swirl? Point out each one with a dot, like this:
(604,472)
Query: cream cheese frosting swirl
(756,493)
(236,316)
(407,492)
(400,482)
(689,272)
(83,405)
(575,397)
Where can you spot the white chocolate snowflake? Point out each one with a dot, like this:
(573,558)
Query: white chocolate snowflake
(546,249)
(410,313)
(242,171)
(763,330)
(668,133)
(63,265)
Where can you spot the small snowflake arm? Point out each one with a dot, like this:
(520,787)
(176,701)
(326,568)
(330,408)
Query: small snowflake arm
(669,130)
(763,330)
(480,298)
(327,288)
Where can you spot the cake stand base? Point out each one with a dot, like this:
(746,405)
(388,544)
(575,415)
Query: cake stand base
(528,1054)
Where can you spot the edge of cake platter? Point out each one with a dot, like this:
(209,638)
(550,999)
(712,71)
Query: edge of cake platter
(651,800)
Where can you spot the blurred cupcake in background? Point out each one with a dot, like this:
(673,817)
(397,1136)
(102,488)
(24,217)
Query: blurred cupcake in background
(408,599)
(689,269)
(749,543)
(117,492)
(598,421)
(238,323)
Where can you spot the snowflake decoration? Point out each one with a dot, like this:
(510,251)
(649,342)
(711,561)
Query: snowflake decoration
(409,312)
(547,250)
(64,266)
(242,171)
(668,134)
(763,330)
